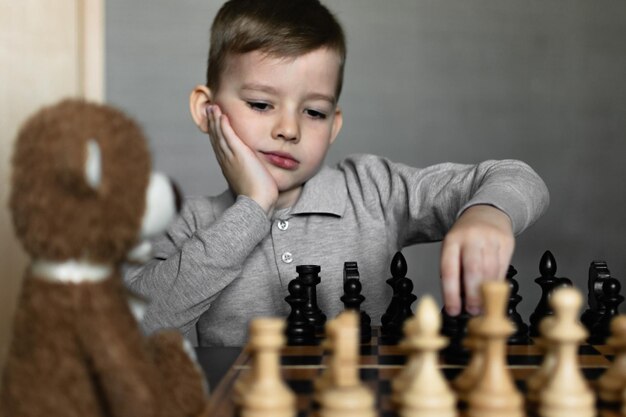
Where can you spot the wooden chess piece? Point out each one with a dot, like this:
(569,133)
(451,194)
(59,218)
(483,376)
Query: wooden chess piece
(566,392)
(398,270)
(613,382)
(548,283)
(300,331)
(520,336)
(266,394)
(346,395)
(466,380)
(422,391)
(611,299)
(495,394)
(308,275)
(598,273)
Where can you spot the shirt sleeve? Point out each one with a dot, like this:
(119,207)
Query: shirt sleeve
(195,260)
(423,203)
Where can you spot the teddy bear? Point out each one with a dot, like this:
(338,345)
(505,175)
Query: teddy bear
(83,198)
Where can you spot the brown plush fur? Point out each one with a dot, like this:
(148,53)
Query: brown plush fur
(76,348)
(56,215)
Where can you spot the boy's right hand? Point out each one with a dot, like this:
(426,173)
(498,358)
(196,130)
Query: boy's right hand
(244,172)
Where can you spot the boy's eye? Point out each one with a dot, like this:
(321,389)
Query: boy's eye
(315,114)
(258,105)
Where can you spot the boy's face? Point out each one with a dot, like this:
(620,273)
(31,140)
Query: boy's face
(285,110)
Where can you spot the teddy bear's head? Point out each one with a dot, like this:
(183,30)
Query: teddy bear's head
(82,187)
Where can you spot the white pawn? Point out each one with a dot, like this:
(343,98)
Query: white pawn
(613,382)
(346,396)
(422,390)
(495,394)
(265,393)
(566,392)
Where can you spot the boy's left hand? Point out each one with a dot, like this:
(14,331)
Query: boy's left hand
(477,248)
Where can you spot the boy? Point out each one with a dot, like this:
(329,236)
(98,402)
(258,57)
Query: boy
(270,108)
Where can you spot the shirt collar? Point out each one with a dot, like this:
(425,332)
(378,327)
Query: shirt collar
(324,193)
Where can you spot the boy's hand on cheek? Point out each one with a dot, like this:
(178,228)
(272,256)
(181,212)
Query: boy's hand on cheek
(477,248)
(243,170)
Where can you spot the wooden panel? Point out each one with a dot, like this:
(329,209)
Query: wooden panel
(42,59)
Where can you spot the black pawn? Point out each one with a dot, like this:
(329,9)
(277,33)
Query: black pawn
(548,283)
(520,337)
(352,298)
(598,274)
(398,271)
(611,298)
(400,307)
(393,330)
(308,275)
(299,331)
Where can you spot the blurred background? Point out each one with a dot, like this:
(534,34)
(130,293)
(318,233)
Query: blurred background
(426,81)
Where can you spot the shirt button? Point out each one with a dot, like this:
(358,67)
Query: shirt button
(283,224)
(287,257)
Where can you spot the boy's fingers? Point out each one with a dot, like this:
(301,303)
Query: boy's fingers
(472,261)
(220,139)
(213,134)
(491,264)
(505,253)
(451,278)
(230,137)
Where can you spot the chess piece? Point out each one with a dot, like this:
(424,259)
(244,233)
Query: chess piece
(299,330)
(548,283)
(466,380)
(495,394)
(398,270)
(352,298)
(266,394)
(393,329)
(610,299)
(400,307)
(308,275)
(346,395)
(598,273)
(455,328)
(520,336)
(566,392)
(422,390)
(613,382)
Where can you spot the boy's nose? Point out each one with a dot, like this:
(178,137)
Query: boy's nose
(286,128)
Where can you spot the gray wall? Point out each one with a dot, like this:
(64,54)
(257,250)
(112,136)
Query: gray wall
(426,82)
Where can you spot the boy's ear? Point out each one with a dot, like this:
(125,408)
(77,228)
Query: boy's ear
(337,123)
(199,99)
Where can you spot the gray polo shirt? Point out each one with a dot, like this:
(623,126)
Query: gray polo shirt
(223,261)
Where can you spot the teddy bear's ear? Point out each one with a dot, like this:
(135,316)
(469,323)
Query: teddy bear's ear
(93,165)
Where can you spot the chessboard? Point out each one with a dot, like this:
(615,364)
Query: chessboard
(381,360)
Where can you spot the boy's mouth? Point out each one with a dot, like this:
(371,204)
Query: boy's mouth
(281,160)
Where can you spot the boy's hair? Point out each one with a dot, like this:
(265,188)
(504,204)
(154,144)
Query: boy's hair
(282,28)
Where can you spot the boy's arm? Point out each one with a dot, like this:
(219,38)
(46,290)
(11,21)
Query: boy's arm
(482,206)
(195,260)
